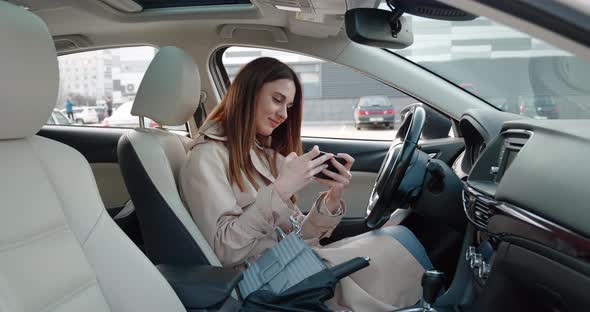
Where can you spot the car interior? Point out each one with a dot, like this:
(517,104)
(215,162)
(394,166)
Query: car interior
(92,219)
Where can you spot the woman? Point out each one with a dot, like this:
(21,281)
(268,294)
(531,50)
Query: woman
(240,184)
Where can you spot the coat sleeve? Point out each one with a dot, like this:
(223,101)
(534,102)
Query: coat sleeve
(233,232)
(319,222)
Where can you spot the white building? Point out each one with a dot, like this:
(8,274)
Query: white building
(94,75)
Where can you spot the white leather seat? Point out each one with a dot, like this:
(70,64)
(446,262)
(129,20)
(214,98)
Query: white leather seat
(59,249)
(151,159)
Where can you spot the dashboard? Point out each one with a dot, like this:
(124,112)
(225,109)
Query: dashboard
(527,197)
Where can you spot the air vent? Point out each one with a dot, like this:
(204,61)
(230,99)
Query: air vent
(481,213)
(478,209)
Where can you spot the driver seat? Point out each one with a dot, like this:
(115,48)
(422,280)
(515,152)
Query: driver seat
(59,248)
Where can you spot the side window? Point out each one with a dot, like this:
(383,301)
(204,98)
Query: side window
(97,88)
(50,121)
(61,119)
(340,102)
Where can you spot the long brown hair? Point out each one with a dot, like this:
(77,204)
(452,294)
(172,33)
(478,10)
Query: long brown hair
(237,113)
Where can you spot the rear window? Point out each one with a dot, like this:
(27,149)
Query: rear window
(544,101)
(373,101)
(95,84)
(61,119)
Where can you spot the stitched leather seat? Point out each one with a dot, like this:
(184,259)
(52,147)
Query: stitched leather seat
(59,249)
(151,159)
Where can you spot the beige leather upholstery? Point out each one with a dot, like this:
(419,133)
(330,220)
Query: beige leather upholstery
(29,73)
(59,249)
(170,89)
(162,154)
(168,94)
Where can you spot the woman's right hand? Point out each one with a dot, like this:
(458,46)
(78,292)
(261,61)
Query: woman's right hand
(298,171)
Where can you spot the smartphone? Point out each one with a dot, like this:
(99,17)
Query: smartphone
(331,166)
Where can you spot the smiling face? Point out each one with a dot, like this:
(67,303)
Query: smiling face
(272,104)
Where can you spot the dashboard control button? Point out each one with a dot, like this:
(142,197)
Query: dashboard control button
(494,170)
(470,253)
(484,270)
(476,262)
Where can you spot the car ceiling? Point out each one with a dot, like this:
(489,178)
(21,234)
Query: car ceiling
(105,25)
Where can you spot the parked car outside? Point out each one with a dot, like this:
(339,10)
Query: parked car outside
(58,118)
(122,117)
(374,110)
(537,107)
(545,107)
(84,115)
(101,112)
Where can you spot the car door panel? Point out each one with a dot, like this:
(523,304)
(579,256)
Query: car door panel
(356,195)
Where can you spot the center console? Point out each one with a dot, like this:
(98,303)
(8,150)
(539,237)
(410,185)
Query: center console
(479,202)
(203,287)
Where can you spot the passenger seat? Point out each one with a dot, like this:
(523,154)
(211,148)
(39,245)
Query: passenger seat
(151,159)
(59,249)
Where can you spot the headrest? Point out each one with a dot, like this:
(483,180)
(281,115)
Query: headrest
(169,92)
(29,74)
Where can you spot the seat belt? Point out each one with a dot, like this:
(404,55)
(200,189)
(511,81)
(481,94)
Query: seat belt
(201,114)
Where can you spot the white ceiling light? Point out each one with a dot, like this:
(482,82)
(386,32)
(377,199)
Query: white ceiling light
(328,7)
(317,18)
(129,6)
(288,8)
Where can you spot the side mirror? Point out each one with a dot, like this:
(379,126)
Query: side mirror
(373,27)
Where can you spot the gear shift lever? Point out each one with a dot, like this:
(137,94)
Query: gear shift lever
(432,283)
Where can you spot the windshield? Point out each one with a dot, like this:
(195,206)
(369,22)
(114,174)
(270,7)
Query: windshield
(508,69)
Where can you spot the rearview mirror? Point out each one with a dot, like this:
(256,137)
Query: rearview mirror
(373,27)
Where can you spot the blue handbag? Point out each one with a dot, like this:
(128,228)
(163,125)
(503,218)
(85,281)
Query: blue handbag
(282,266)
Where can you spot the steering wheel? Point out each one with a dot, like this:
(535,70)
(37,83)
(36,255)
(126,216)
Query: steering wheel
(386,195)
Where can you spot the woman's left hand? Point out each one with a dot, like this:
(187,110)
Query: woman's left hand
(338,183)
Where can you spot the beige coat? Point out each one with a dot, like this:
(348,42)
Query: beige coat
(240,226)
